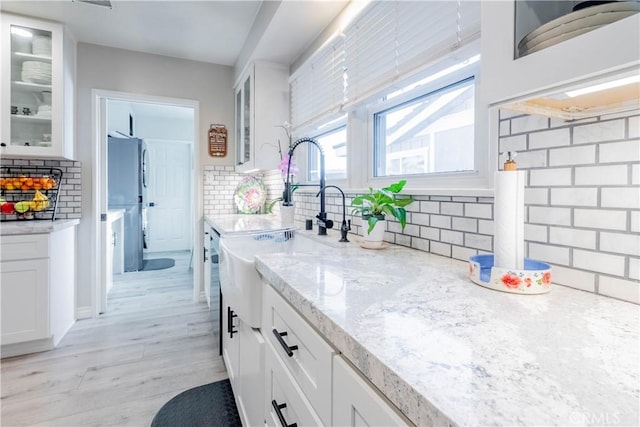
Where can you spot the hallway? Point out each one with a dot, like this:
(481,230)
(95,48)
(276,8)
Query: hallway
(119,369)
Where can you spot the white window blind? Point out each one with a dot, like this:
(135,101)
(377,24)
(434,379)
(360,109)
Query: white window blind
(388,41)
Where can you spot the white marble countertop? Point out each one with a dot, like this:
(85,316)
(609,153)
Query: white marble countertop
(445,350)
(244,223)
(35,226)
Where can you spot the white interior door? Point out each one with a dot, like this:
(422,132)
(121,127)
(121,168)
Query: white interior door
(168,196)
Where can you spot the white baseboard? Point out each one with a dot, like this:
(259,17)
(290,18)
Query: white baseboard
(18,349)
(83,313)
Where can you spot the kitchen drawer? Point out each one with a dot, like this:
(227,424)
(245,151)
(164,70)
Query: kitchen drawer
(310,362)
(282,389)
(24,246)
(357,403)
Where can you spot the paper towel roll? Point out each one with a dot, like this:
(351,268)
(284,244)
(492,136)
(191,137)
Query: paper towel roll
(508,242)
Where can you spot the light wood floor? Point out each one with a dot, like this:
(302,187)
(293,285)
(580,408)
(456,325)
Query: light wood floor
(153,343)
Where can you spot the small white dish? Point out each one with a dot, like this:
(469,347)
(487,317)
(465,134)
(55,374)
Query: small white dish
(369,245)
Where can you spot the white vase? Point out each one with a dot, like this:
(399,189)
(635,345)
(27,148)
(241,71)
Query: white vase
(376,237)
(287,214)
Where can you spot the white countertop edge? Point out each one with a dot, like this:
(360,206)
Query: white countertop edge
(35,226)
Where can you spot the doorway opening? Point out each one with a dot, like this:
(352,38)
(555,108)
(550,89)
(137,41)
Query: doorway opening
(148,211)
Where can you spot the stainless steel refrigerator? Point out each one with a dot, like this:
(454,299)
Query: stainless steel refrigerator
(127,190)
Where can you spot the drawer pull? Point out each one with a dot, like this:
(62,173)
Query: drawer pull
(278,409)
(230,317)
(288,349)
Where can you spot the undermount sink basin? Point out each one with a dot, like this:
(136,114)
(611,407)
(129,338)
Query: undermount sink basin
(240,282)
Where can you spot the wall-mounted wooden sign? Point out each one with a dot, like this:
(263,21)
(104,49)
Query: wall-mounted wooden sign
(217,140)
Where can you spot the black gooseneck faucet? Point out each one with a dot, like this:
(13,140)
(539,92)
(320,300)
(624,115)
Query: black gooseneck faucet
(346,225)
(323,222)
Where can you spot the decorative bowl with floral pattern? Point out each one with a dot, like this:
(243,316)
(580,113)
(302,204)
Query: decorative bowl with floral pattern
(534,279)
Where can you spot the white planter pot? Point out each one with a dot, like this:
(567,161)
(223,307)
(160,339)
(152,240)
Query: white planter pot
(376,237)
(287,214)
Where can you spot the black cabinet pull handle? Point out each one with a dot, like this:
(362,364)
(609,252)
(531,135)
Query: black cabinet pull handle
(287,348)
(230,317)
(204,254)
(278,409)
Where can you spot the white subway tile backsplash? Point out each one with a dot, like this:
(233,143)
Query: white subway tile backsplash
(453,237)
(623,289)
(478,210)
(513,143)
(420,244)
(574,196)
(478,241)
(549,138)
(624,243)
(440,248)
(532,159)
(614,152)
(464,224)
(634,127)
(599,132)
(550,177)
(634,268)
(635,221)
(600,218)
(430,207)
(621,197)
(635,174)
(535,233)
(573,237)
(536,196)
(420,218)
(440,221)
(549,253)
(572,156)
(451,208)
(505,128)
(430,233)
(600,262)
(602,175)
(528,124)
(462,253)
(574,278)
(485,226)
(549,215)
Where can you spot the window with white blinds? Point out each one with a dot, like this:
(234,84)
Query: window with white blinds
(388,41)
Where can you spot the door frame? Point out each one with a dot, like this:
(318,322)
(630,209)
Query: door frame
(99,187)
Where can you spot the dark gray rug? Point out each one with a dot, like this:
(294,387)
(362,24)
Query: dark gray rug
(208,405)
(157,264)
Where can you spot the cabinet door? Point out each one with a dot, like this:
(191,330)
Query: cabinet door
(251,375)
(206,254)
(231,346)
(32,88)
(25,300)
(245,123)
(356,403)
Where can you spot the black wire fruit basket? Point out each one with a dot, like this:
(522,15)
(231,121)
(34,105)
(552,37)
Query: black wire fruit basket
(29,192)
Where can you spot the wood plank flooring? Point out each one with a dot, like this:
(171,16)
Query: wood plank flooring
(119,369)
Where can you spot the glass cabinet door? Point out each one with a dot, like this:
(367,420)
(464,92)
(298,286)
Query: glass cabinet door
(31,87)
(246,123)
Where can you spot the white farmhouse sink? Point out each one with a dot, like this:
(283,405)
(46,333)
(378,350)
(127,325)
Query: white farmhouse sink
(239,280)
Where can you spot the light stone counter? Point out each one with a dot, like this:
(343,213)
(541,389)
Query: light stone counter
(445,350)
(35,226)
(243,223)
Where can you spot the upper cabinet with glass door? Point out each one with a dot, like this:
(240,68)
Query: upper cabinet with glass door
(262,108)
(537,47)
(36,115)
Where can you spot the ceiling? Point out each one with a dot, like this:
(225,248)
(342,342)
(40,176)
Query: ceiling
(213,31)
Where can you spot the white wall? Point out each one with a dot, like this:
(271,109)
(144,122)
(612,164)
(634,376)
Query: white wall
(118,116)
(100,67)
(174,129)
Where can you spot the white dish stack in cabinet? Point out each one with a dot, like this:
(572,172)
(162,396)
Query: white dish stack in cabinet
(262,104)
(36,105)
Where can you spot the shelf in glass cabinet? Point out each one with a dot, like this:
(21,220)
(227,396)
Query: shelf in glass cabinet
(20,57)
(30,119)
(29,87)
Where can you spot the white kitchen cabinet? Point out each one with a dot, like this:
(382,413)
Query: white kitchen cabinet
(609,49)
(304,353)
(357,403)
(38,73)
(206,257)
(243,354)
(262,104)
(37,279)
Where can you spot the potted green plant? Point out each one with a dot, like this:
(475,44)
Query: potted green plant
(375,205)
